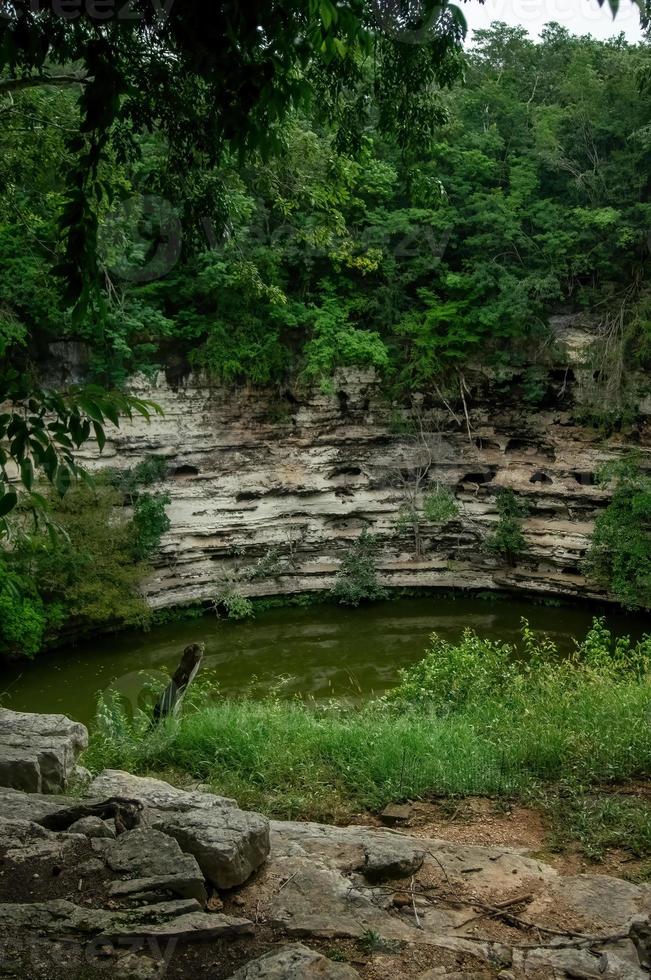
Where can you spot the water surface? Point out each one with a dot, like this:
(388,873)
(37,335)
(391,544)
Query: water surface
(320,651)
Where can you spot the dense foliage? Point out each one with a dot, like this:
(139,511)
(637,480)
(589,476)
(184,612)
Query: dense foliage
(620,550)
(83,572)
(530,196)
(357,579)
(213,79)
(507,539)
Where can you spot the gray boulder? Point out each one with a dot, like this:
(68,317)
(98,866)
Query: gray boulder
(38,752)
(295,962)
(151,865)
(91,827)
(229,844)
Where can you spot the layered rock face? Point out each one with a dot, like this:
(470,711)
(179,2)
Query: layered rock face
(269,488)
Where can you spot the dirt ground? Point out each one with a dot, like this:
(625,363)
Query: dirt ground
(480,820)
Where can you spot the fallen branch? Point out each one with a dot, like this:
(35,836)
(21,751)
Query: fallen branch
(499,907)
(34,81)
(126,813)
(413,904)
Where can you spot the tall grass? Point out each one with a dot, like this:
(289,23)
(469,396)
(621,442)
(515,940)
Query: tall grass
(471,718)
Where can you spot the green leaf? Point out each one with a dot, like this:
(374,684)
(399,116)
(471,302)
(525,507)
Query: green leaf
(62,479)
(8,502)
(27,473)
(99,435)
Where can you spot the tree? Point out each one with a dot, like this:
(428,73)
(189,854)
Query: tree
(507,539)
(212,79)
(399,228)
(421,447)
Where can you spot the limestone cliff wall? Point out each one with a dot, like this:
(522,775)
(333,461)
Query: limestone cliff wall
(283,481)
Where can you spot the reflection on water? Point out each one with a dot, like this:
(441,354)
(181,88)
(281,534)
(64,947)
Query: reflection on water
(321,651)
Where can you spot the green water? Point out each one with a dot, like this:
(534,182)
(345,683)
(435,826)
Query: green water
(320,651)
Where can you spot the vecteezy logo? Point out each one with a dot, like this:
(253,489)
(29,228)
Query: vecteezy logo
(138,689)
(408,21)
(100,10)
(140,239)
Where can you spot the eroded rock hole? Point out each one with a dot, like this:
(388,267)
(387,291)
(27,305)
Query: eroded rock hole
(486,477)
(585,478)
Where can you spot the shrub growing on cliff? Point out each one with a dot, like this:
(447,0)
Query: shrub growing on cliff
(439,505)
(150,522)
(357,576)
(620,550)
(507,539)
(230,601)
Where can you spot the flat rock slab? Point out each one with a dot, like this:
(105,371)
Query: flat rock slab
(229,844)
(295,962)
(38,752)
(605,903)
(181,920)
(581,964)
(318,901)
(155,794)
(379,855)
(16,805)
(22,840)
(193,927)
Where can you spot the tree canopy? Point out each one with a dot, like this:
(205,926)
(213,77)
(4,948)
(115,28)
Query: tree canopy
(271,189)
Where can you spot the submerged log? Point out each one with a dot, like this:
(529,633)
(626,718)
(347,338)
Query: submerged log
(172,696)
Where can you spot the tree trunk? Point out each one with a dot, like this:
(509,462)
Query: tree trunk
(172,696)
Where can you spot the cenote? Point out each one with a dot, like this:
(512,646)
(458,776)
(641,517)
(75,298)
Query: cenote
(319,651)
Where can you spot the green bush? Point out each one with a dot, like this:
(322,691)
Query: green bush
(439,505)
(231,603)
(357,576)
(23,619)
(149,522)
(150,470)
(619,556)
(452,674)
(85,576)
(507,539)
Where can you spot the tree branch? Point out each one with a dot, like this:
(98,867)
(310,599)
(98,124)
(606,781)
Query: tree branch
(34,81)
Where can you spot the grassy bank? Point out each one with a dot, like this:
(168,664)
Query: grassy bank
(477,717)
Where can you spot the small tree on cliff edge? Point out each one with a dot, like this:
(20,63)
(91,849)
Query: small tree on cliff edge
(507,539)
